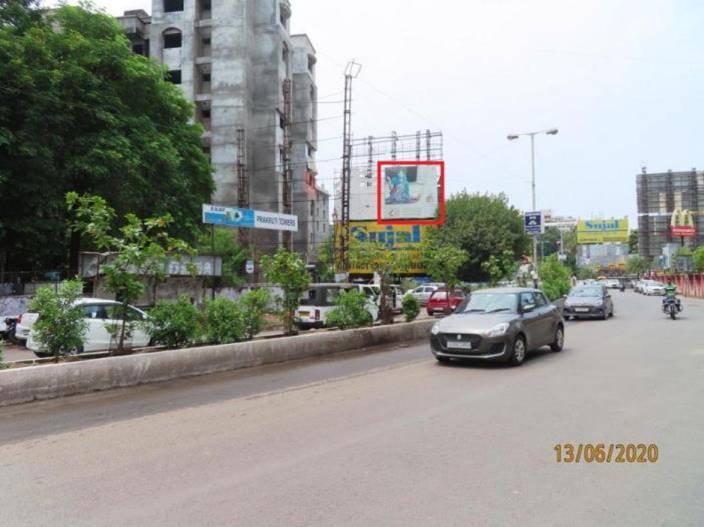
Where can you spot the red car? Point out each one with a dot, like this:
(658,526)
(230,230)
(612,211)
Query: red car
(439,303)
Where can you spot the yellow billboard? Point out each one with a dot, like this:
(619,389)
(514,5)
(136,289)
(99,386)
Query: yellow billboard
(614,230)
(396,237)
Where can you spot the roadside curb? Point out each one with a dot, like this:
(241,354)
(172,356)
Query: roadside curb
(51,381)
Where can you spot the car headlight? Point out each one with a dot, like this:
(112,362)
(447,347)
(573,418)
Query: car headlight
(436,328)
(498,330)
(599,302)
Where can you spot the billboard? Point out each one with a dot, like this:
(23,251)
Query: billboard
(395,237)
(410,192)
(682,223)
(248,219)
(614,230)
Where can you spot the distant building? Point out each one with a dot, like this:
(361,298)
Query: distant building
(659,196)
(232,59)
(602,255)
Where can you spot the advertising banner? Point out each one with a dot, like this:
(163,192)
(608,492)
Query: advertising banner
(248,219)
(395,237)
(682,223)
(602,231)
(533,223)
(410,192)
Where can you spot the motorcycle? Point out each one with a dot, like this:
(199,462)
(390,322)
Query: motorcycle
(11,329)
(672,307)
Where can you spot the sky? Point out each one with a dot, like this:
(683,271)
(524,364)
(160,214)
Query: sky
(621,80)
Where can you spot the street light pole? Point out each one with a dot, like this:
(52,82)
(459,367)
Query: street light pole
(551,131)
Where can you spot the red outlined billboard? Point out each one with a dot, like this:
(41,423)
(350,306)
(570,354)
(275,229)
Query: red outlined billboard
(410,192)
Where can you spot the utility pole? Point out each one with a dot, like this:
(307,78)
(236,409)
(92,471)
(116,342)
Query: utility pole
(287,187)
(351,72)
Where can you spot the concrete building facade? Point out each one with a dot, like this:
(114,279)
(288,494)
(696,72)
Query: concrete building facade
(233,58)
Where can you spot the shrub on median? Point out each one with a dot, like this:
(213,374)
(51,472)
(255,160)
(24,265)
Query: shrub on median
(350,311)
(410,307)
(173,324)
(255,306)
(3,364)
(223,321)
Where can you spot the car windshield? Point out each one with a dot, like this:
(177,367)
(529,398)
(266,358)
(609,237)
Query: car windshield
(586,291)
(489,303)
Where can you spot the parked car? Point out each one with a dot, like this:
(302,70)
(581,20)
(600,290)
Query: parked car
(652,287)
(500,324)
(319,300)
(99,315)
(422,293)
(612,283)
(439,302)
(25,321)
(592,301)
(395,297)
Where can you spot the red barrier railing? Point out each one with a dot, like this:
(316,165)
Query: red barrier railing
(691,284)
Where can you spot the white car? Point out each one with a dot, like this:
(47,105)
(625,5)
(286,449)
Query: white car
(319,300)
(98,315)
(651,287)
(423,293)
(24,326)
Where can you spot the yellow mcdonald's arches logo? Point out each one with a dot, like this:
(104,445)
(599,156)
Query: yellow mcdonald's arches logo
(682,218)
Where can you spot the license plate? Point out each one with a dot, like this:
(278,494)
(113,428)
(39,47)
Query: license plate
(581,309)
(459,345)
(303,314)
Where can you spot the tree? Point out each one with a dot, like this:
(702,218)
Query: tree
(698,259)
(633,242)
(637,265)
(141,248)
(443,261)
(555,277)
(233,255)
(288,271)
(483,225)
(80,112)
(385,263)
(350,311)
(500,266)
(60,326)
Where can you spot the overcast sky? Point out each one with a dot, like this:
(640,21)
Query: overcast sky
(621,79)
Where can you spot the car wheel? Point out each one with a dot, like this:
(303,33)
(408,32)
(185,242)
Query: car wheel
(518,354)
(442,360)
(559,341)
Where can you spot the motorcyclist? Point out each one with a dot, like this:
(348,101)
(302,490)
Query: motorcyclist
(671,294)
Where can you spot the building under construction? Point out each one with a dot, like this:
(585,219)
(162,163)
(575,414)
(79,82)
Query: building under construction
(659,196)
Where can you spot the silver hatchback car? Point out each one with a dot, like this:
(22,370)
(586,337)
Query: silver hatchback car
(498,325)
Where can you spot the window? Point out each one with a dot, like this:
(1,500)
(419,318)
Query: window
(540,300)
(171,6)
(138,49)
(206,5)
(206,41)
(115,313)
(312,208)
(527,299)
(95,312)
(172,39)
(205,113)
(206,77)
(174,76)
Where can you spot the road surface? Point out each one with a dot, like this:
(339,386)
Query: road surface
(384,438)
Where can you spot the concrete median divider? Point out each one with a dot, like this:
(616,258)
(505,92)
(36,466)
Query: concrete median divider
(50,381)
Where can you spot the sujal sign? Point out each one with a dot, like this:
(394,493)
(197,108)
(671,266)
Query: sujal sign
(248,218)
(533,222)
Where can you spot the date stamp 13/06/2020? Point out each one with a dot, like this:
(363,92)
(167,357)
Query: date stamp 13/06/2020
(606,453)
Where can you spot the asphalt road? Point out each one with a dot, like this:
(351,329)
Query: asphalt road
(384,438)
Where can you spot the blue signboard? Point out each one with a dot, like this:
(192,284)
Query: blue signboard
(533,222)
(248,218)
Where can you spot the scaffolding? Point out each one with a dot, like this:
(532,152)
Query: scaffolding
(659,195)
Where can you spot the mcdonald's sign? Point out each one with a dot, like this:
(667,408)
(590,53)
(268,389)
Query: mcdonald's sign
(682,223)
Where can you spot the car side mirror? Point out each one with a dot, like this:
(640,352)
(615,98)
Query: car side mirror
(528,308)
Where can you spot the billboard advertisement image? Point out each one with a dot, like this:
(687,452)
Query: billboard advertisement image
(602,231)
(410,192)
(395,237)
(682,223)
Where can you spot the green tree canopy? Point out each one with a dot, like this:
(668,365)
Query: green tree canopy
(80,112)
(637,265)
(698,259)
(483,225)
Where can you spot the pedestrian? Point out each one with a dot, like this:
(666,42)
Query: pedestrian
(574,281)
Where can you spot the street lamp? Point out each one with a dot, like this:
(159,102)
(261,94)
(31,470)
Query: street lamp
(513,137)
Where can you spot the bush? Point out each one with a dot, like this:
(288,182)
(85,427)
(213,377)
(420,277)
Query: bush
(3,364)
(60,326)
(255,305)
(698,259)
(223,321)
(350,311)
(410,307)
(555,278)
(173,324)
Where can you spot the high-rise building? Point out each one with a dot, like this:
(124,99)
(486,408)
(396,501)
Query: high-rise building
(659,196)
(233,59)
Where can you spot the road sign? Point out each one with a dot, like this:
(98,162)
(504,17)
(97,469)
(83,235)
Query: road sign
(249,267)
(248,218)
(533,223)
